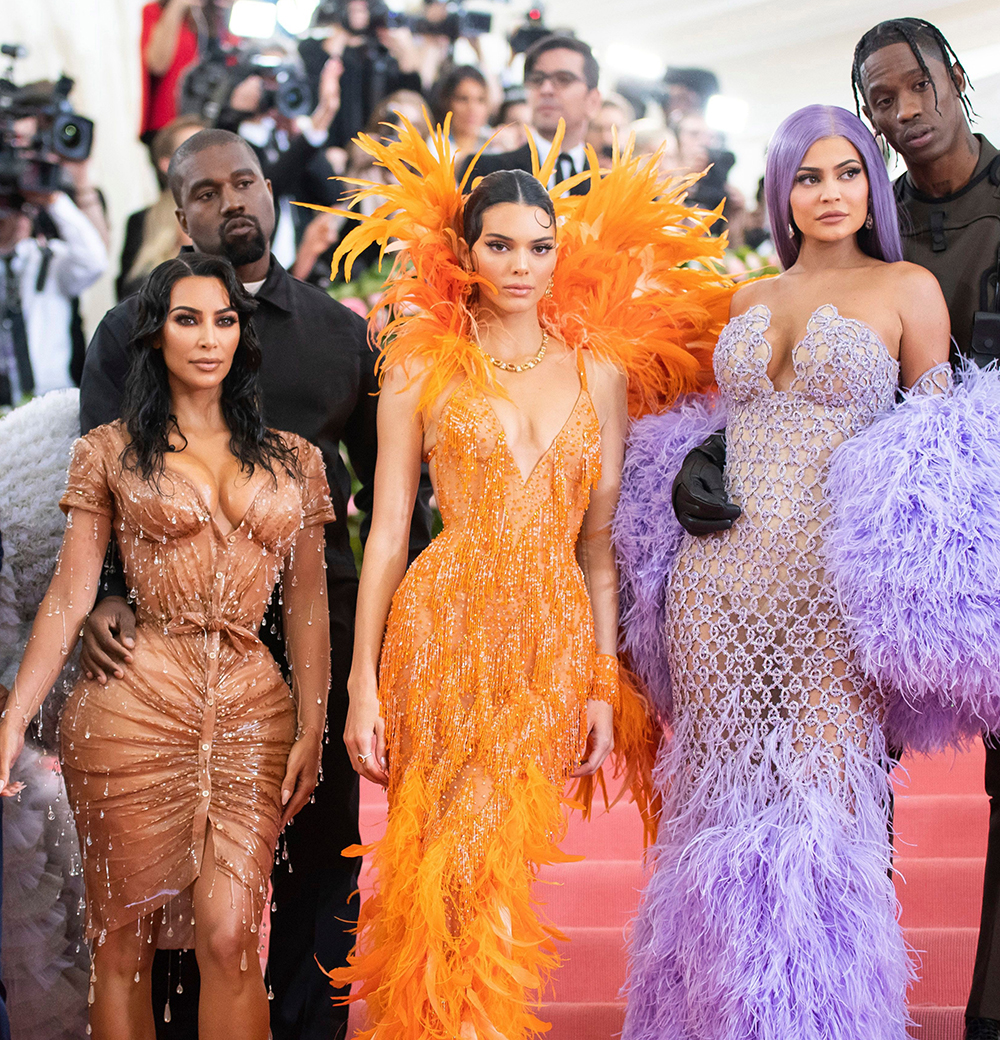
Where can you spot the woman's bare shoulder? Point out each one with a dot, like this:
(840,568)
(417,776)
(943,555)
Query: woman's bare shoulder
(754,294)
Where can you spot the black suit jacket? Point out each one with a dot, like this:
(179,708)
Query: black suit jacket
(519,159)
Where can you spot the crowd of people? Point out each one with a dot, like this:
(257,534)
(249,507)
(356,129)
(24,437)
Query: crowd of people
(356,73)
(633,448)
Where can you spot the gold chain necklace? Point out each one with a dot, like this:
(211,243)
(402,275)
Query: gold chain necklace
(525,366)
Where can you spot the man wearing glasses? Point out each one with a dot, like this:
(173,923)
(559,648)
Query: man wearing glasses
(560,78)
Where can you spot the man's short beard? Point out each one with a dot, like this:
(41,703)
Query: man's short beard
(249,251)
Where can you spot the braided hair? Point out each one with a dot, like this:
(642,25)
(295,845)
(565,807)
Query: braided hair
(913,32)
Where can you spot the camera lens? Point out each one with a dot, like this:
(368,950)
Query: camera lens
(72,137)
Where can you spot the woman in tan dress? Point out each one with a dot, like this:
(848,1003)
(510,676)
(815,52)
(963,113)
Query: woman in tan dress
(182,771)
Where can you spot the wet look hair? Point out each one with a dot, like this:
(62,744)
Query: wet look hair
(504,186)
(916,34)
(146,406)
(788,146)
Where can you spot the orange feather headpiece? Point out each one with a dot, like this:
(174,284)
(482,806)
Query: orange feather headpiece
(634,282)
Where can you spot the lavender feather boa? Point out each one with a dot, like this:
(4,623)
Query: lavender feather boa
(914,553)
(647,535)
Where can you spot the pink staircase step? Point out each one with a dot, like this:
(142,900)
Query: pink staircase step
(583,1021)
(593,966)
(616,833)
(596,892)
(939,892)
(948,771)
(943,1023)
(944,963)
(941,825)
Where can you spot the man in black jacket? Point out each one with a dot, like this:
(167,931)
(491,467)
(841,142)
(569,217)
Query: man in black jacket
(318,380)
(912,89)
(560,79)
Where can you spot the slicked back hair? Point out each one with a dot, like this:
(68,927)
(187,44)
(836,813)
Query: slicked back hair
(916,34)
(198,142)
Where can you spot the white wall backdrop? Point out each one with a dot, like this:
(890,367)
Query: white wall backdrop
(776,55)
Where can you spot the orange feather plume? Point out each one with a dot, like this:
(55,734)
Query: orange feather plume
(635,280)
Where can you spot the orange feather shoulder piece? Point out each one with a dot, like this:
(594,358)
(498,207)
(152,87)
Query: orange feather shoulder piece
(634,282)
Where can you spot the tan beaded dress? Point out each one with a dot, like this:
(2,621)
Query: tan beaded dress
(196,734)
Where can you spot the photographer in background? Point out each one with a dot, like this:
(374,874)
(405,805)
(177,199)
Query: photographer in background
(35,109)
(377,60)
(687,92)
(701,150)
(39,277)
(291,148)
(173,35)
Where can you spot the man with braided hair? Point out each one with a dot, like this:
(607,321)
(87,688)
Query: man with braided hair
(909,83)
(912,88)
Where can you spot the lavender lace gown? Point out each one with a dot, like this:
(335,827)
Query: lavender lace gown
(769,914)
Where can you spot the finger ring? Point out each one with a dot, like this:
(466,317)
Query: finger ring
(363,758)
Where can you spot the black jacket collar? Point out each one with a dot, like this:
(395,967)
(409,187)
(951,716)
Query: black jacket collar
(277,288)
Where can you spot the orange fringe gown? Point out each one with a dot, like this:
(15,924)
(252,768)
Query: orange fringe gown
(489,656)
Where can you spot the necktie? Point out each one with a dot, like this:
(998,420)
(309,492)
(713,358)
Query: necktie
(13,331)
(567,168)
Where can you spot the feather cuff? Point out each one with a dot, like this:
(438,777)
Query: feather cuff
(914,553)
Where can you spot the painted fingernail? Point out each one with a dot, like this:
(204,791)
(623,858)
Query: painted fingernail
(285,795)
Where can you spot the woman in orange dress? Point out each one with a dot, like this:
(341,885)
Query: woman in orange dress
(182,771)
(486,675)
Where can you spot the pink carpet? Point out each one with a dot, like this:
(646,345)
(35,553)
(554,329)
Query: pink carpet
(941,820)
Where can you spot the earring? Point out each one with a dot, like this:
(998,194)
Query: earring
(548,290)
(869,221)
(791,230)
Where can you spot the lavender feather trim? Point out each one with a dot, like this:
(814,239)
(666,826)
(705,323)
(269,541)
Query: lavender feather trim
(914,553)
(769,914)
(646,533)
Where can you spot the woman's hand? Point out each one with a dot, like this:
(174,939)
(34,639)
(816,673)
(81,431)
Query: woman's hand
(364,736)
(600,737)
(11,742)
(301,774)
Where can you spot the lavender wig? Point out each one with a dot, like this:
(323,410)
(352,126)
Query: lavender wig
(791,141)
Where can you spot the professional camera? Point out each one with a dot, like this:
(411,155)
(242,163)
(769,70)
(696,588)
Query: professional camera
(531,31)
(208,87)
(38,130)
(453,21)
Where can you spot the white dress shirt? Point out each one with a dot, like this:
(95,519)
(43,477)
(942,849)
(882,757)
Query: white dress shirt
(577,154)
(78,259)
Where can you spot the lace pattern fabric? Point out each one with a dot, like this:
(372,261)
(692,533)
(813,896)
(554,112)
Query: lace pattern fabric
(775,785)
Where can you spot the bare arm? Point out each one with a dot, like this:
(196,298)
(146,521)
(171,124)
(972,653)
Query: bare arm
(162,44)
(69,598)
(397,475)
(926,327)
(596,554)
(306,617)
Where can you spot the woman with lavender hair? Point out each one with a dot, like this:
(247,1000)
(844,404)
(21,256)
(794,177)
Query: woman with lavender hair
(770,914)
